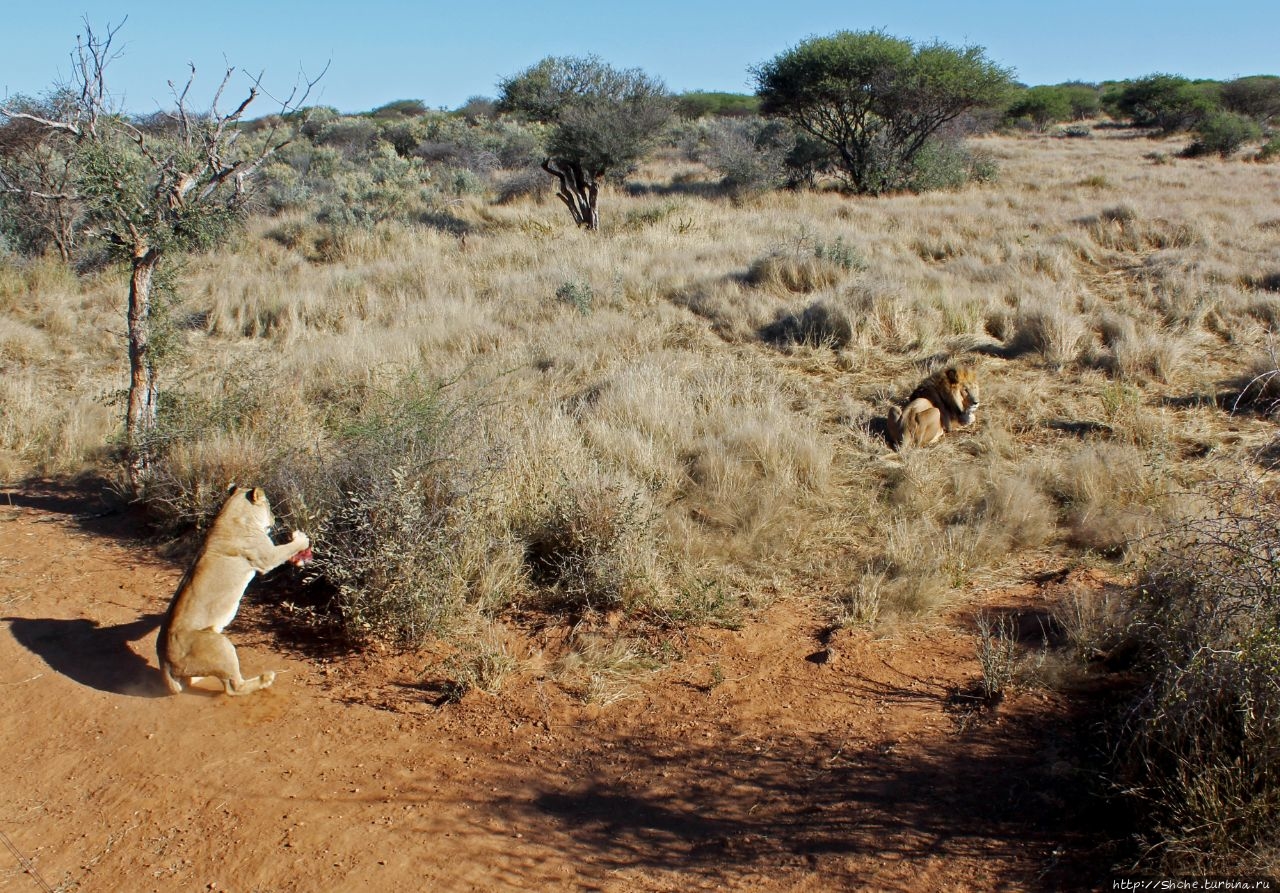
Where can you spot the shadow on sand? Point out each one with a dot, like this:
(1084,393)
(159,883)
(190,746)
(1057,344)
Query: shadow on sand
(95,656)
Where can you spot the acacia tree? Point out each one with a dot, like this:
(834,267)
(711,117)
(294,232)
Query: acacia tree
(602,121)
(876,101)
(148,193)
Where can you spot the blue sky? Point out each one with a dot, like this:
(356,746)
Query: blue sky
(445,52)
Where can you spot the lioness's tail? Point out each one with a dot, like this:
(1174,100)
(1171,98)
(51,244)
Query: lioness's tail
(162,656)
(173,684)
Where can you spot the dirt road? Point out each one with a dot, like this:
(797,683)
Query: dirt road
(755,762)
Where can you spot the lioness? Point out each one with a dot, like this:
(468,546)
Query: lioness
(191,643)
(943,401)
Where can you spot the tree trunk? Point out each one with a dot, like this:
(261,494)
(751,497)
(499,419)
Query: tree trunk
(140,420)
(578,190)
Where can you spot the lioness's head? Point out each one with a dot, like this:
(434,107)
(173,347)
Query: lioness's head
(250,506)
(960,388)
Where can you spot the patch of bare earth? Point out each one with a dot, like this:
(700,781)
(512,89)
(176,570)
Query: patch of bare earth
(770,758)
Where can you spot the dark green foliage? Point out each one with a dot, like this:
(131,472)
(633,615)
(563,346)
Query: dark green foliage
(602,118)
(602,121)
(1223,133)
(401,108)
(1043,106)
(1085,99)
(700,104)
(1166,102)
(875,100)
(1258,97)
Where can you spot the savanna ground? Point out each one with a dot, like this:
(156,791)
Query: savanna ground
(708,631)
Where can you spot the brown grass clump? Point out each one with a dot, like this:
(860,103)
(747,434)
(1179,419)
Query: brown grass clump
(794,272)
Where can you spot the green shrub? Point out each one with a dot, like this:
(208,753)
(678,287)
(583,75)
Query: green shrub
(578,294)
(1258,97)
(1270,149)
(698,104)
(393,511)
(948,164)
(1167,102)
(1222,133)
(1041,106)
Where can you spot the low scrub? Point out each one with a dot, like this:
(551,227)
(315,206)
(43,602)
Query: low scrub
(1201,745)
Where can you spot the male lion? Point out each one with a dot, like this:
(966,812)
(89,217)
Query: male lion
(191,643)
(943,401)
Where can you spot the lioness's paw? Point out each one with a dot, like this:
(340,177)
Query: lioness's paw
(267,677)
(300,541)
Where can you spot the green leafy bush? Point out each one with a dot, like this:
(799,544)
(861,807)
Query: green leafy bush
(699,104)
(949,164)
(1222,133)
(1166,102)
(875,100)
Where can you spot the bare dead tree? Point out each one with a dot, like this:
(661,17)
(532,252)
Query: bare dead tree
(150,195)
(37,173)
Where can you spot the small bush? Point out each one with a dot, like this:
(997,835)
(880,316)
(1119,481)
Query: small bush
(1222,133)
(1200,746)
(593,547)
(1270,150)
(482,663)
(1052,331)
(394,515)
(578,294)
(519,184)
(750,154)
(819,325)
(948,164)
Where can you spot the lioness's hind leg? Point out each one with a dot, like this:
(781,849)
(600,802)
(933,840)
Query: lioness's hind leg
(243,686)
(212,654)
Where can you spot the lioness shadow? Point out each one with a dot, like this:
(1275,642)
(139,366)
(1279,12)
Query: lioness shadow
(95,656)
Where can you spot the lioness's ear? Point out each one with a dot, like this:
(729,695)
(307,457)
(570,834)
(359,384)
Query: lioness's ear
(231,488)
(256,496)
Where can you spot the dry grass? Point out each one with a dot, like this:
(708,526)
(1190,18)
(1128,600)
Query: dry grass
(707,414)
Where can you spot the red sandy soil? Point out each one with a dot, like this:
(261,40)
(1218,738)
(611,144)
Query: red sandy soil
(778,757)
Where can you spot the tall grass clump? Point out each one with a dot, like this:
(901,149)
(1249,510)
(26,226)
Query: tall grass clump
(1200,747)
(593,546)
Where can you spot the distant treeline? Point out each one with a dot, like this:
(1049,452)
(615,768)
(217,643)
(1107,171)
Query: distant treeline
(1166,102)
